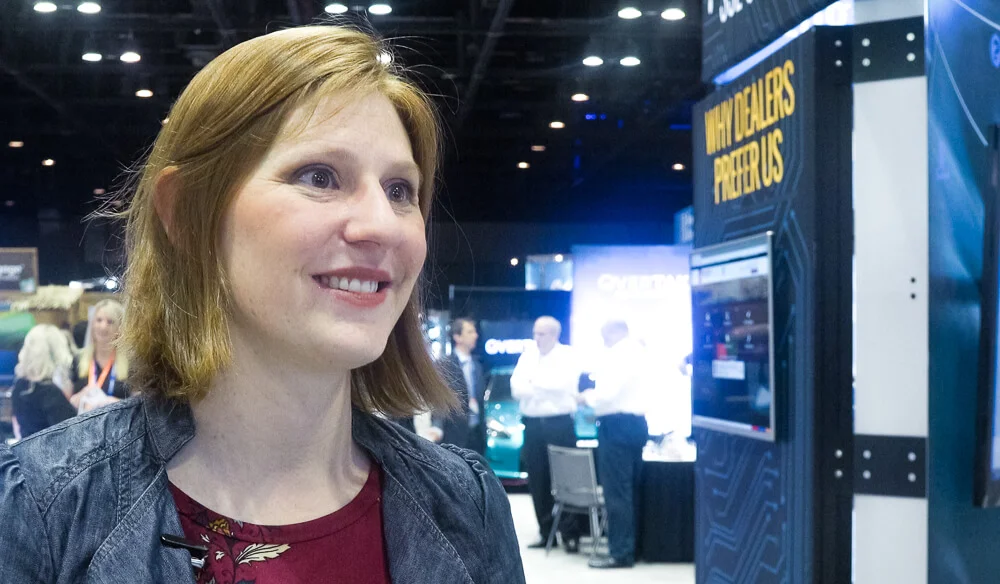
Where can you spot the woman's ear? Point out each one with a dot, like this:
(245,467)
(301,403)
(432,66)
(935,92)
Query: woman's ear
(165,194)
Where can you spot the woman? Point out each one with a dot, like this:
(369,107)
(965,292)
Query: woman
(101,371)
(274,242)
(38,398)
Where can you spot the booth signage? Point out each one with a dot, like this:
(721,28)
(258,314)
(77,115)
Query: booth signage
(19,269)
(732,30)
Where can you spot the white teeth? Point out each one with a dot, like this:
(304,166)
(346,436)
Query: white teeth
(356,286)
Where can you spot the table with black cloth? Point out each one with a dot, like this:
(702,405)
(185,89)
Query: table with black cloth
(666,512)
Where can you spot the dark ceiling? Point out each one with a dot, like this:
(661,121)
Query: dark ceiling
(503,69)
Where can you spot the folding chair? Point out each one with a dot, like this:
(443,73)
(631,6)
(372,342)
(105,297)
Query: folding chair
(575,490)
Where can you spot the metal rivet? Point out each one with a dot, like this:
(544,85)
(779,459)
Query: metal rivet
(866,61)
(839,453)
(911,57)
(867,474)
(867,454)
(838,43)
(865,42)
(912,477)
(912,456)
(910,36)
(839,63)
(839,473)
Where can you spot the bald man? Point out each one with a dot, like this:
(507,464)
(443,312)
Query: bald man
(546,382)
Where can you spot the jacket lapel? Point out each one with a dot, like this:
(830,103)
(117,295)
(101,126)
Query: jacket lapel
(133,551)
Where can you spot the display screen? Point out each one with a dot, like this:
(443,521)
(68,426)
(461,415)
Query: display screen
(731,385)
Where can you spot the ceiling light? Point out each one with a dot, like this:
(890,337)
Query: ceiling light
(514,261)
(16,144)
(89,7)
(91,57)
(557,125)
(593,61)
(523,165)
(678,166)
(165,120)
(630,61)
(9,203)
(335,8)
(538,148)
(45,7)
(385,58)
(559,258)
(48,162)
(580,97)
(111,284)
(380,9)
(672,14)
(130,57)
(144,93)
(99,192)
(629,13)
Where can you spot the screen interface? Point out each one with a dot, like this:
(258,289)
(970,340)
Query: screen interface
(731,378)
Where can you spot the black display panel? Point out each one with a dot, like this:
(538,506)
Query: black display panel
(987,488)
(732,386)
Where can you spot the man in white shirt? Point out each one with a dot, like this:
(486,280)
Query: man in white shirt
(619,400)
(465,376)
(546,382)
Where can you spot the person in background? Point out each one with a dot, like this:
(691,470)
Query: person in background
(465,377)
(42,382)
(619,401)
(546,382)
(275,238)
(101,369)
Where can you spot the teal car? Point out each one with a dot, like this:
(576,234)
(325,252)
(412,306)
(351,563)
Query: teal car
(505,432)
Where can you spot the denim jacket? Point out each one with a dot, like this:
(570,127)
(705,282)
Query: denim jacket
(87,501)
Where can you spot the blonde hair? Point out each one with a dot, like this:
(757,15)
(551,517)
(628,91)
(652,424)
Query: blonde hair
(114,310)
(45,354)
(177,300)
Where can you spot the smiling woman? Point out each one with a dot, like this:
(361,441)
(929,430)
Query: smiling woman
(275,241)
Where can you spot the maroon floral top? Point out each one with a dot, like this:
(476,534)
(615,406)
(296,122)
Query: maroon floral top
(343,547)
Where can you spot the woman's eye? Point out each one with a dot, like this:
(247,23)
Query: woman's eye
(401,192)
(317,178)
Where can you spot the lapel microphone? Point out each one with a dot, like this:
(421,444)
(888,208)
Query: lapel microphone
(198,552)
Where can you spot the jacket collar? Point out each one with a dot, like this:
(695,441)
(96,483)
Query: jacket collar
(418,551)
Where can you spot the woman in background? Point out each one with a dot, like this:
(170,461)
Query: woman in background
(42,381)
(101,370)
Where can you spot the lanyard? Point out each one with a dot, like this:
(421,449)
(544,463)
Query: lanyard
(108,369)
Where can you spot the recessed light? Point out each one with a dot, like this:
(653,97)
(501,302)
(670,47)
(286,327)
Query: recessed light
(380,9)
(335,8)
(593,61)
(557,125)
(630,61)
(89,7)
(92,57)
(45,7)
(99,192)
(9,203)
(678,166)
(144,93)
(629,13)
(523,165)
(165,120)
(559,258)
(15,144)
(514,261)
(48,162)
(385,58)
(673,14)
(130,57)
(580,97)
(538,148)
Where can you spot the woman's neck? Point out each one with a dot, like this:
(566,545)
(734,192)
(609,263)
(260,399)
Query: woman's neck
(265,432)
(103,354)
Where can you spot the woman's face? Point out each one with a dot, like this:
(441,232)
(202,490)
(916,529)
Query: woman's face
(104,328)
(324,242)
